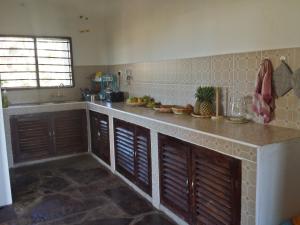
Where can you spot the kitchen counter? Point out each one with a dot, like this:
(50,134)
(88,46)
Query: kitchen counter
(252,134)
(265,151)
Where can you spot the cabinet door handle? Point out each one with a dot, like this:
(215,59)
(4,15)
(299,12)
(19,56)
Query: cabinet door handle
(187,186)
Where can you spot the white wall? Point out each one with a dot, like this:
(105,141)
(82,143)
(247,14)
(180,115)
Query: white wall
(126,31)
(58,18)
(144,30)
(278,196)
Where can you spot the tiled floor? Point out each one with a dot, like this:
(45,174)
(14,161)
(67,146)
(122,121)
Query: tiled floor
(75,191)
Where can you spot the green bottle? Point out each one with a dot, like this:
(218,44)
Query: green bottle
(4,99)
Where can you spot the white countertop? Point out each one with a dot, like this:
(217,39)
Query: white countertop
(251,133)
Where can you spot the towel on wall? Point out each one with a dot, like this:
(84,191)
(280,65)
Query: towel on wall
(282,79)
(263,101)
(296,220)
(296,83)
(293,221)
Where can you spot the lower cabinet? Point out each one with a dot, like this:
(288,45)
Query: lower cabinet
(69,132)
(174,175)
(44,135)
(198,184)
(100,136)
(133,153)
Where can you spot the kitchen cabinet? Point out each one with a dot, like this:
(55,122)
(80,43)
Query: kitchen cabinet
(69,132)
(31,137)
(198,184)
(216,188)
(100,136)
(174,175)
(132,151)
(44,135)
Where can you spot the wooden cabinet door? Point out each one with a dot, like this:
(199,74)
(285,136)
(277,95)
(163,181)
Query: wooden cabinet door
(69,132)
(100,136)
(31,137)
(216,188)
(174,175)
(143,159)
(133,153)
(124,148)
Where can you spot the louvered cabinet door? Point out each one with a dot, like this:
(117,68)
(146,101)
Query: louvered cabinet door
(143,159)
(69,132)
(100,136)
(216,188)
(174,175)
(31,137)
(95,133)
(124,148)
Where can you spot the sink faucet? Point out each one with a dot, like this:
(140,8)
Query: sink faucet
(60,90)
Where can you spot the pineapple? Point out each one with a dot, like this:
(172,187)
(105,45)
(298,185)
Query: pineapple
(204,103)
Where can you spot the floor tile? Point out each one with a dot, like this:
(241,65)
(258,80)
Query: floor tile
(7,214)
(154,219)
(75,191)
(128,200)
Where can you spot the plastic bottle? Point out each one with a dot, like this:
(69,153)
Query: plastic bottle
(4,99)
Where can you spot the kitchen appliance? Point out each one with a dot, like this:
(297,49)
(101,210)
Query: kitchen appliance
(5,189)
(108,83)
(109,90)
(114,96)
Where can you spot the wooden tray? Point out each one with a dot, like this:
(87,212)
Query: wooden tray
(164,109)
(200,116)
(181,110)
(136,104)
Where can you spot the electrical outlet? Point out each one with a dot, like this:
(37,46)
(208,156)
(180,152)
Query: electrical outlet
(128,75)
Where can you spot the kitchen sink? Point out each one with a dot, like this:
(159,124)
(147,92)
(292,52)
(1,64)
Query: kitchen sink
(42,103)
(56,102)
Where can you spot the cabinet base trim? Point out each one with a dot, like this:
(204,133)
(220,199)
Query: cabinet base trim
(172,215)
(29,163)
(136,188)
(101,161)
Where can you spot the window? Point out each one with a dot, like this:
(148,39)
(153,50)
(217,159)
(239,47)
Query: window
(35,62)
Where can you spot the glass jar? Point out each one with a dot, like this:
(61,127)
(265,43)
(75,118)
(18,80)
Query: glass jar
(237,107)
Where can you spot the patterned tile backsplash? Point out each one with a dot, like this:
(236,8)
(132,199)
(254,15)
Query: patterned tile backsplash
(175,81)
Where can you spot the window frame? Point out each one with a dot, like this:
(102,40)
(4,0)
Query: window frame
(38,87)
